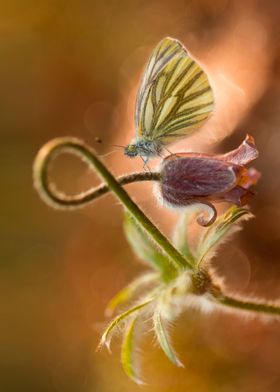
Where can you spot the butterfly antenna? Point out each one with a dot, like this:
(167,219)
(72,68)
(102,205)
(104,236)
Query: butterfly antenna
(108,153)
(98,140)
(117,145)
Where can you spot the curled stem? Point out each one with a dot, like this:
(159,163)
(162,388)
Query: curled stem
(76,146)
(57,199)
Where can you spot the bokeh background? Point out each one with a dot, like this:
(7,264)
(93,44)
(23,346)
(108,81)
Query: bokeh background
(72,68)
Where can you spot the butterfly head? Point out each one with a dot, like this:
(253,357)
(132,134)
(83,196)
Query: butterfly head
(131,150)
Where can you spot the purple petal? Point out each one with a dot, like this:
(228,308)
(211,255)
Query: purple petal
(238,196)
(187,178)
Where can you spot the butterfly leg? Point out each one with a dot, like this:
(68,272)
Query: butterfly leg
(169,152)
(145,161)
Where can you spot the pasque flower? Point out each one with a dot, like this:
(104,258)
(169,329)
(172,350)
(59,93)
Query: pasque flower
(180,274)
(192,178)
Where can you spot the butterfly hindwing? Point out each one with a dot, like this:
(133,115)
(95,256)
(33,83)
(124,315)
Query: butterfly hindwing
(175,96)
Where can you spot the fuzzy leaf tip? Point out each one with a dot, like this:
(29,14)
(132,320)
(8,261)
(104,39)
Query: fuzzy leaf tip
(128,359)
(164,341)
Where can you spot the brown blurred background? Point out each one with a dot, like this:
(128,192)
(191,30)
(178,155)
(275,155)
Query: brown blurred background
(72,68)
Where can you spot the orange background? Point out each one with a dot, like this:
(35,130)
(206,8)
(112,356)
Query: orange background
(72,68)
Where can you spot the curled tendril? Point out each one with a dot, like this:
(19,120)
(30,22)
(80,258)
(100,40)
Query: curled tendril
(48,191)
(57,199)
(208,209)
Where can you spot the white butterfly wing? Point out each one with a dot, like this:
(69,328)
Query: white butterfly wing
(174,97)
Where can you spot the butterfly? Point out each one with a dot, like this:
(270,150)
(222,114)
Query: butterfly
(173,100)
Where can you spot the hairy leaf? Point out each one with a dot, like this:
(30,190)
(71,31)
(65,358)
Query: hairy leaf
(129,291)
(180,239)
(163,339)
(217,233)
(145,249)
(107,335)
(128,353)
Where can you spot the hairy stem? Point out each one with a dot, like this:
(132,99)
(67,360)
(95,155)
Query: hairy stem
(203,283)
(256,307)
(75,146)
(57,199)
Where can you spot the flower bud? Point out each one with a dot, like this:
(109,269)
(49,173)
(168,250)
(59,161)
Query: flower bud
(191,178)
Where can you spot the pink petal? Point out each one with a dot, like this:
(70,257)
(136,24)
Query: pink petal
(249,177)
(245,153)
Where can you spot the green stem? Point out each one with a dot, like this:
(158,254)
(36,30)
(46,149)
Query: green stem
(82,150)
(60,200)
(256,307)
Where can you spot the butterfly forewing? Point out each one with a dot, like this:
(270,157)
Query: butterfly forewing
(175,96)
(161,55)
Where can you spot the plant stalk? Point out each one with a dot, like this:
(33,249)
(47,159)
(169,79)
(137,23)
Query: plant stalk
(256,307)
(76,146)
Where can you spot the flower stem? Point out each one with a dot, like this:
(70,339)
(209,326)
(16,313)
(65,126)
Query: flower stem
(256,307)
(86,153)
(60,200)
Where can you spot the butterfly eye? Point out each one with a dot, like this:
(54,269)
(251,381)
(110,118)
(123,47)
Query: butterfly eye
(131,150)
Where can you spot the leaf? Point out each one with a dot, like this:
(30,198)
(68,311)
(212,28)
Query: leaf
(128,359)
(129,291)
(219,231)
(163,339)
(145,249)
(107,335)
(180,239)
